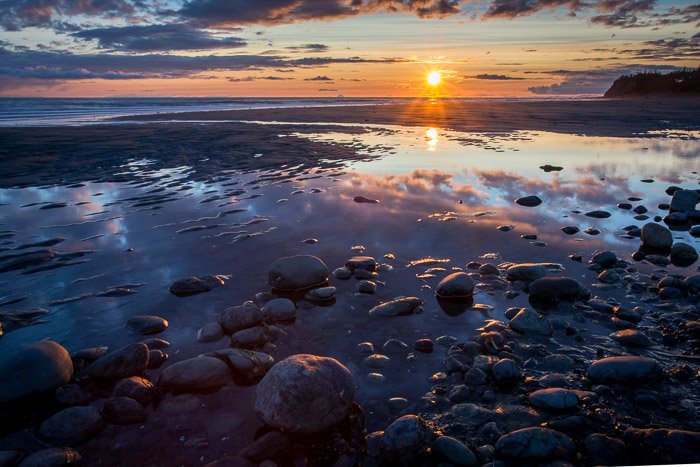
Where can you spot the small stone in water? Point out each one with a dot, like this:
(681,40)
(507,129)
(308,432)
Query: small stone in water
(423,345)
(322,294)
(365,347)
(342,273)
(376,361)
(366,287)
(376,377)
(505,228)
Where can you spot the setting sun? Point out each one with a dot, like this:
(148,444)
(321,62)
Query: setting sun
(434,78)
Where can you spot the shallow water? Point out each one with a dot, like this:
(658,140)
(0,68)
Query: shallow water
(441,193)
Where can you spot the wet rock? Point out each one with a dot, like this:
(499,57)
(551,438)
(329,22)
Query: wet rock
(255,337)
(71,394)
(268,446)
(547,292)
(397,307)
(10,458)
(488,269)
(364,274)
(626,370)
(423,345)
(591,231)
(300,272)
(156,343)
(36,369)
(656,237)
(361,262)
(305,394)
(366,287)
(321,294)
(122,410)
(683,200)
(529,201)
(456,285)
(535,444)
(53,457)
(570,230)
(625,206)
(631,338)
(156,358)
(248,364)
(342,273)
(605,259)
(551,168)
(279,309)
(406,438)
(609,277)
(131,360)
(527,272)
(598,214)
(683,255)
(376,361)
(557,399)
(528,321)
(240,317)
(195,285)
(363,200)
(368,347)
(71,426)
(446,448)
(505,228)
(145,324)
(210,332)
(604,450)
(506,371)
(136,388)
(664,446)
(201,374)
(695,231)
(394,347)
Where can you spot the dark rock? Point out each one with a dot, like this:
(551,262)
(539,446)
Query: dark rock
(255,337)
(657,237)
(527,272)
(210,332)
(683,200)
(625,370)
(361,262)
(297,273)
(506,371)
(279,309)
(248,364)
(551,168)
(640,209)
(53,457)
(321,294)
(535,444)
(528,321)
(240,317)
(557,399)
(156,358)
(570,230)
(71,394)
(366,287)
(131,360)
(598,214)
(397,307)
(606,259)
(625,206)
(123,410)
(446,448)
(683,255)
(200,374)
(631,338)
(406,438)
(548,291)
(423,345)
(604,450)
(488,269)
(529,201)
(146,325)
(195,285)
(269,446)
(135,387)
(71,426)
(305,394)
(39,368)
(664,446)
(362,199)
(456,285)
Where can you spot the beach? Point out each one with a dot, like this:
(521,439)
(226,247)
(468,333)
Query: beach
(478,268)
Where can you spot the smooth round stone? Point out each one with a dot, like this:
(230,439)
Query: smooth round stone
(570,230)
(305,394)
(405,437)
(322,294)
(376,377)
(376,361)
(156,358)
(366,347)
(130,360)
(200,374)
(91,354)
(532,444)
(255,337)
(505,370)
(528,321)
(626,370)
(145,324)
(529,201)
(240,317)
(625,206)
(246,363)
(195,285)
(640,209)
(605,259)
(342,273)
(456,285)
(558,288)
(488,269)
(123,410)
(39,368)
(71,426)
(156,344)
(631,338)
(554,399)
(53,457)
(657,236)
(527,272)
(591,231)
(446,340)
(366,287)
(397,307)
(423,345)
(505,228)
(603,450)
(280,309)
(361,262)
(297,273)
(449,449)
(210,332)
(598,214)
(135,387)
(683,254)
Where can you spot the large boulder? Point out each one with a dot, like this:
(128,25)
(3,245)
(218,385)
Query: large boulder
(627,370)
(526,272)
(38,368)
(131,360)
(535,444)
(656,237)
(71,426)
(305,394)
(664,446)
(300,272)
(407,437)
(547,292)
(200,374)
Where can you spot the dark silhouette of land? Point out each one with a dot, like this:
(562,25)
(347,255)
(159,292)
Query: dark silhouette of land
(648,84)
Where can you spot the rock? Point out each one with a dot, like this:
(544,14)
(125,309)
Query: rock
(528,321)
(683,255)
(609,277)
(603,450)
(488,269)
(406,438)
(506,371)
(683,201)
(361,262)
(625,206)
(305,394)
(342,273)
(122,410)
(631,338)
(570,230)
(131,360)
(366,287)
(598,214)
(527,272)
(146,325)
(297,273)
(54,457)
(397,307)
(554,399)
(529,201)
(195,285)
(155,343)
(547,292)
(535,444)
(156,358)
(247,364)
(551,168)
(423,345)
(210,332)
(36,369)
(446,448)
(692,283)
(626,370)
(71,426)
(663,446)
(376,361)
(135,387)
(505,228)
(240,317)
(10,458)
(269,446)
(605,259)
(279,309)
(656,237)
(321,294)
(255,337)
(362,199)
(201,374)
(456,285)
(71,394)
(592,231)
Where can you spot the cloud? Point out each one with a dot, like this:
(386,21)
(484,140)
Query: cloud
(491,77)
(19,14)
(309,48)
(158,37)
(319,78)
(509,9)
(257,78)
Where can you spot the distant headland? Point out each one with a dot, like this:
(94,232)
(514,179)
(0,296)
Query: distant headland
(685,82)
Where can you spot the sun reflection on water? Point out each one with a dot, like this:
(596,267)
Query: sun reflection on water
(431,135)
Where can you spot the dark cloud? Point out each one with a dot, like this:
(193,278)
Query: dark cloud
(258,78)
(309,48)
(158,37)
(319,78)
(18,14)
(509,9)
(669,49)
(491,77)
(621,13)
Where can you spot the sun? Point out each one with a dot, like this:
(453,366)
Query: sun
(434,78)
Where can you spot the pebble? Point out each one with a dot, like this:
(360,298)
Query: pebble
(554,399)
(527,272)
(397,307)
(631,338)
(131,360)
(297,273)
(366,287)
(625,370)
(210,332)
(361,262)
(71,394)
(535,444)
(506,371)
(200,374)
(376,377)
(279,309)
(423,345)
(455,286)
(529,201)
(136,388)
(656,237)
(366,347)
(71,426)
(376,361)
(195,285)
(528,321)
(146,324)
(342,273)
(240,317)
(598,214)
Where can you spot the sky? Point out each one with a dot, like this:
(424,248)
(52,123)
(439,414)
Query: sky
(329,48)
